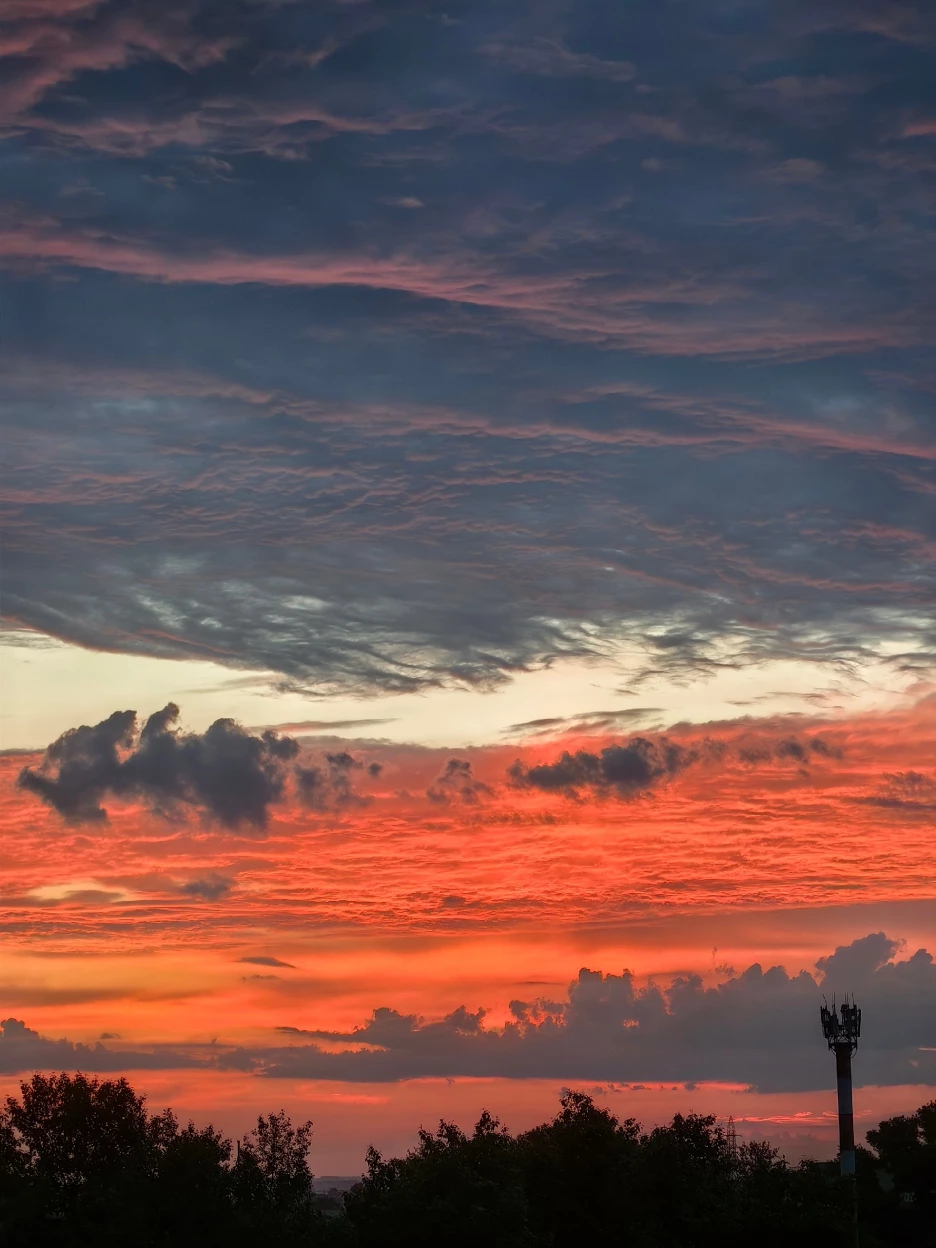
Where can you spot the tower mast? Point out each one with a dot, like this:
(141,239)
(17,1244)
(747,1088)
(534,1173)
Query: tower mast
(842,1030)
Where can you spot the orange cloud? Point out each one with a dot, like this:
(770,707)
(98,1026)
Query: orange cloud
(769,815)
(744,821)
(181,932)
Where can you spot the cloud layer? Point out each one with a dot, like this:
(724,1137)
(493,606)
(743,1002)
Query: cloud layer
(575,831)
(388,349)
(23,1050)
(758,1028)
(234,777)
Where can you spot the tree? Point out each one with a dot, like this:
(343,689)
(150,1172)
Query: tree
(693,1190)
(575,1169)
(587,1179)
(452,1189)
(682,1189)
(84,1145)
(904,1148)
(272,1181)
(82,1160)
(73,1129)
(193,1202)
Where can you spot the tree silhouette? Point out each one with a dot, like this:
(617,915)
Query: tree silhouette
(83,1148)
(904,1155)
(83,1162)
(587,1179)
(452,1189)
(193,1191)
(575,1169)
(272,1183)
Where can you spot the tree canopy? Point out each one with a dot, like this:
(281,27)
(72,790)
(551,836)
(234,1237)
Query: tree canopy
(84,1161)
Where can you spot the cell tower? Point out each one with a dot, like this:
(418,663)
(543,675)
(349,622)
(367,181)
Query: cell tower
(842,1030)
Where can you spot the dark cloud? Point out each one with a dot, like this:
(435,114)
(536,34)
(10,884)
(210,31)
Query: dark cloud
(265,961)
(907,791)
(330,787)
(585,721)
(211,888)
(627,768)
(645,307)
(621,770)
(326,725)
(791,748)
(759,1027)
(22,1049)
(800,751)
(456,783)
(80,767)
(823,748)
(225,772)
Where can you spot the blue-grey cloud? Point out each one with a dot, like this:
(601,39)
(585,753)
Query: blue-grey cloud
(209,888)
(23,1049)
(623,769)
(759,1027)
(329,786)
(457,783)
(387,348)
(229,774)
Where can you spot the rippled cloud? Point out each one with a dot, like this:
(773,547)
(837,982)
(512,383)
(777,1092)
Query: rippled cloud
(389,350)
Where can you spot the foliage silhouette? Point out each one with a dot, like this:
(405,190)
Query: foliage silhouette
(453,1188)
(271,1180)
(902,1210)
(83,1161)
(587,1179)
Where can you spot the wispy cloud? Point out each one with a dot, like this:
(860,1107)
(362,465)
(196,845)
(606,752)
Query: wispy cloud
(655,371)
(261,960)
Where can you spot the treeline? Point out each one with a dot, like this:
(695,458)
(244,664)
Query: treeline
(83,1162)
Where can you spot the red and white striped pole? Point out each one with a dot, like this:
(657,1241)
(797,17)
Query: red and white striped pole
(846,1114)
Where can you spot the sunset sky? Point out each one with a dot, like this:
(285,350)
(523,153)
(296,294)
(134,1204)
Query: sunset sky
(469,517)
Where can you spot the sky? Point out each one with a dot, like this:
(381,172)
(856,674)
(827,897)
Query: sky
(469,508)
